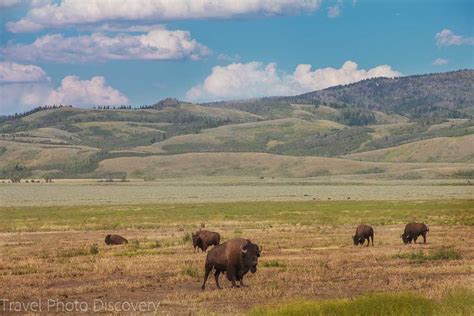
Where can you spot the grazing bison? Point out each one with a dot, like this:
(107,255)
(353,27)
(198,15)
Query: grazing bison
(115,240)
(363,232)
(234,257)
(202,239)
(412,231)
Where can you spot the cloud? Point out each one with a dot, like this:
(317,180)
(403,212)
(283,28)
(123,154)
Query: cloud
(334,11)
(20,97)
(85,93)
(80,12)
(28,86)
(254,79)
(157,44)
(440,61)
(17,73)
(446,37)
(9,3)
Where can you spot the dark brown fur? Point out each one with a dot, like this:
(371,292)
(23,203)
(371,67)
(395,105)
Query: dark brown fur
(235,257)
(413,231)
(202,239)
(363,232)
(115,240)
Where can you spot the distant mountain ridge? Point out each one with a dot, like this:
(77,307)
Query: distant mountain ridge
(404,128)
(445,95)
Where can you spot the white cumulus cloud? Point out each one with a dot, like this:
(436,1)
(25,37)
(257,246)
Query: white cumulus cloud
(157,44)
(446,37)
(77,12)
(17,73)
(85,93)
(23,87)
(255,79)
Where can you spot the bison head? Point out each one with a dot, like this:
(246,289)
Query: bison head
(355,239)
(250,253)
(406,238)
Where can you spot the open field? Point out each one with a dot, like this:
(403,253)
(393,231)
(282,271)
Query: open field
(222,189)
(47,252)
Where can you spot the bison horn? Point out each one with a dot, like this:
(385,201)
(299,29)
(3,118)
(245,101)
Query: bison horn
(242,249)
(260,248)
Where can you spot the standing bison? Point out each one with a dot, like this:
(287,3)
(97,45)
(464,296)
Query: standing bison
(363,232)
(234,257)
(203,239)
(412,231)
(115,240)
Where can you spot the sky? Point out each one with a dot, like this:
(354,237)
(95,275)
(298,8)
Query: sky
(136,52)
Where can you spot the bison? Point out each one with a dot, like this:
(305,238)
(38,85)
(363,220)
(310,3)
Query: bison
(115,240)
(412,231)
(202,239)
(363,232)
(235,257)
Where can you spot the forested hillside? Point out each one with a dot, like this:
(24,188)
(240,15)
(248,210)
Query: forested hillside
(415,119)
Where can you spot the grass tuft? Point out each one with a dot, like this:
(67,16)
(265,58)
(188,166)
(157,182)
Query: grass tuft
(420,256)
(94,249)
(273,264)
(72,252)
(193,272)
(186,238)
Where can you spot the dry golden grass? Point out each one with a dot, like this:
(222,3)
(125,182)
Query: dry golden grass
(311,261)
(441,149)
(269,165)
(37,155)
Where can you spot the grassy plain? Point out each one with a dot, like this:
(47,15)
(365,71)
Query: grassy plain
(49,252)
(360,187)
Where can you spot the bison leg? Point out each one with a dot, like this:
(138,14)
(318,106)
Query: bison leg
(368,241)
(206,275)
(415,238)
(372,237)
(242,282)
(424,237)
(216,277)
(231,273)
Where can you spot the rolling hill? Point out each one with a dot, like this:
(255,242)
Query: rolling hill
(408,127)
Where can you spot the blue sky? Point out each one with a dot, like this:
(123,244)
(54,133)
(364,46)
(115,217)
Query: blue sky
(228,51)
